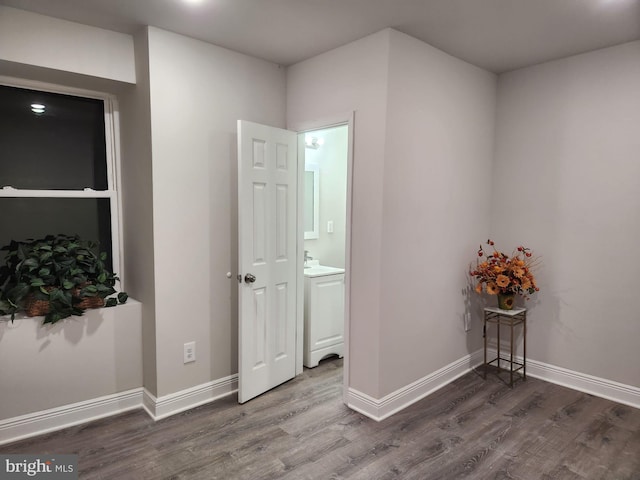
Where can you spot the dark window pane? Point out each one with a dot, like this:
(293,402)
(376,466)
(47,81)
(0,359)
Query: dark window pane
(60,148)
(23,218)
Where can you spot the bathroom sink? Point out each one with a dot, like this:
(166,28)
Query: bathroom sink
(321,270)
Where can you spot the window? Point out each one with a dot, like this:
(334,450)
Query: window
(57,166)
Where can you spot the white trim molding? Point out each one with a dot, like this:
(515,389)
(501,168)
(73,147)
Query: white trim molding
(583,382)
(45,421)
(167,405)
(38,423)
(600,387)
(379,409)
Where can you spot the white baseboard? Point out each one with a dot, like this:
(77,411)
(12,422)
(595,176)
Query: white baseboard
(600,387)
(45,421)
(38,423)
(167,405)
(379,409)
(583,382)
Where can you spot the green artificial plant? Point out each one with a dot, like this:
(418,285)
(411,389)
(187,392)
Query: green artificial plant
(63,270)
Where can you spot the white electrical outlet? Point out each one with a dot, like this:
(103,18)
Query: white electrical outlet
(467,321)
(189,352)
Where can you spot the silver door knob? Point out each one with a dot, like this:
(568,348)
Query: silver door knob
(248,278)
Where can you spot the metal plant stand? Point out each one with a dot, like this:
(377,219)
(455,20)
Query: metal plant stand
(511,319)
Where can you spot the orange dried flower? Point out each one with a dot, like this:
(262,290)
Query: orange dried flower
(503,273)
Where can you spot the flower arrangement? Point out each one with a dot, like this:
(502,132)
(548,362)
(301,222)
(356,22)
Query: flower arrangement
(499,273)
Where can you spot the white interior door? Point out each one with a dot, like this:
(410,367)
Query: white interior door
(267,190)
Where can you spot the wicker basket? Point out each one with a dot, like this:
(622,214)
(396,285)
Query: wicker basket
(88,302)
(35,307)
(91,302)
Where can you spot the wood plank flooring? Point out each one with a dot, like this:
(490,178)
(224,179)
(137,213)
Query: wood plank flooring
(473,428)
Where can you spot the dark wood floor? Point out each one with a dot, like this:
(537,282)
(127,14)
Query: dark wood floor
(472,429)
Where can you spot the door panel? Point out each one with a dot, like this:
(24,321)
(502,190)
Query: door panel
(267,211)
(259,223)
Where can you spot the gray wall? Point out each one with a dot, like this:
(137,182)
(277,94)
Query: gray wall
(354,78)
(437,190)
(179,177)
(137,200)
(31,39)
(566,178)
(423,140)
(79,359)
(198,92)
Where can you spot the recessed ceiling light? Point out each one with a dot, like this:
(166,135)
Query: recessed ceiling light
(37,108)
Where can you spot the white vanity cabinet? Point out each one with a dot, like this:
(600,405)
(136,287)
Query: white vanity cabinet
(323,313)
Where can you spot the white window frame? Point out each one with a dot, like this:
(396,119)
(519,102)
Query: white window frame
(112,140)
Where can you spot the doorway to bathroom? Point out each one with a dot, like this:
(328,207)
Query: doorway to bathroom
(324,161)
(271,233)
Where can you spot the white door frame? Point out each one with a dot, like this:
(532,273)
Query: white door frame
(302,127)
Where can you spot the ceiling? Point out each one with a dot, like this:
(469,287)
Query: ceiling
(498,35)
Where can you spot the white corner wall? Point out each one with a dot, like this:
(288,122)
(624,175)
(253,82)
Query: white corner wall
(566,183)
(28,38)
(437,191)
(347,79)
(198,92)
